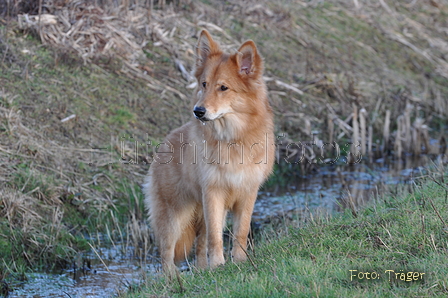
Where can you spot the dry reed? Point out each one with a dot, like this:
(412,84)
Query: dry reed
(355,137)
(362,121)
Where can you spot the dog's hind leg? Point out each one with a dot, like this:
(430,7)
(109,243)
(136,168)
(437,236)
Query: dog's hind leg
(175,233)
(166,246)
(185,242)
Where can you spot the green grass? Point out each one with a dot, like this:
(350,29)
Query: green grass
(121,116)
(330,256)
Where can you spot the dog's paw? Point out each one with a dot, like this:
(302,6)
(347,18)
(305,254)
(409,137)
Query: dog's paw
(216,261)
(238,255)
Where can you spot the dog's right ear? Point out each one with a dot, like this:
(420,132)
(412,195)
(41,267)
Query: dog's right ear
(206,47)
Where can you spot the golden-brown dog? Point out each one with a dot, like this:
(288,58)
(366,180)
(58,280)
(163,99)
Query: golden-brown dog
(215,163)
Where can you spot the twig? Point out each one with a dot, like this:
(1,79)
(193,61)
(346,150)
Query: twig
(185,74)
(410,5)
(68,118)
(215,28)
(245,251)
(15,154)
(99,257)
(437,212)
(380,241)
(289,87)
(386,7)
(437,182)
(433,242)
(179,280)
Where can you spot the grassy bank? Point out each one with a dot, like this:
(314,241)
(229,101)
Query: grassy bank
(65,183)
(370,253)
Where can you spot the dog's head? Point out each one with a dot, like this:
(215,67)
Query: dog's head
(225,81)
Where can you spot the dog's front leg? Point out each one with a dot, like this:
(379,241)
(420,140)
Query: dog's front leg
(201,245)
(242,213)
(214,213)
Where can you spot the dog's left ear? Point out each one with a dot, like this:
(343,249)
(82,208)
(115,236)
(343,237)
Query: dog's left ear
(249,61)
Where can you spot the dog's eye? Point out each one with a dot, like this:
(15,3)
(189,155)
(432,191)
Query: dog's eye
(223,88)
(204,84)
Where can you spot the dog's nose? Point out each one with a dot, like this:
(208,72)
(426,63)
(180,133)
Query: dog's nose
(199,112)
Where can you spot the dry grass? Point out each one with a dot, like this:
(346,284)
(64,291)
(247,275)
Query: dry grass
(19,209)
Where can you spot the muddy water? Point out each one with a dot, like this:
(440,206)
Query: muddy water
(89,277)
(328,188)
(331,189)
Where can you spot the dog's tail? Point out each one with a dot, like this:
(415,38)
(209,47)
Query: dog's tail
(184,244)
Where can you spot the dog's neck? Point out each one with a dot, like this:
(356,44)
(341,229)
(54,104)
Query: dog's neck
(234,128)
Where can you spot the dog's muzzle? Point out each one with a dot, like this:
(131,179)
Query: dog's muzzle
(199,113)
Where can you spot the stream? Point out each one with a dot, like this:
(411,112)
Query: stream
(329,189)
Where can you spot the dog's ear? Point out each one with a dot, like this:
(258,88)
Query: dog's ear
(206,47)
(249,61)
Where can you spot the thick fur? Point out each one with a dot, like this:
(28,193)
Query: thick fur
(216,164)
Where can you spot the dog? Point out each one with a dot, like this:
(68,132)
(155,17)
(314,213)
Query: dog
(215,163)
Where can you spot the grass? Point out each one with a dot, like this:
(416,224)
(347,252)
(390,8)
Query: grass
(334,256)
(53,201)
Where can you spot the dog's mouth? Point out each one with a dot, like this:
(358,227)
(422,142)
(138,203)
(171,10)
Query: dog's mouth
(203,120)
(200,113)
(206,119)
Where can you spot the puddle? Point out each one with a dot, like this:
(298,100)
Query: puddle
(92,278)
(327,189)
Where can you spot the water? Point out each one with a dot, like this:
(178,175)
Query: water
(98,284)
(92,277)
(330,188)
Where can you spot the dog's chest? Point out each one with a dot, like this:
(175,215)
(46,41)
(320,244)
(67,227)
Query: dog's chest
(236,175)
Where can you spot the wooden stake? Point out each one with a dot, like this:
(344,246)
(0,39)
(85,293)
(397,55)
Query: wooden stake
(355,136)
(386,131)
(407,127)
(398,146)
(362,122)
(330,127)
(417,136)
